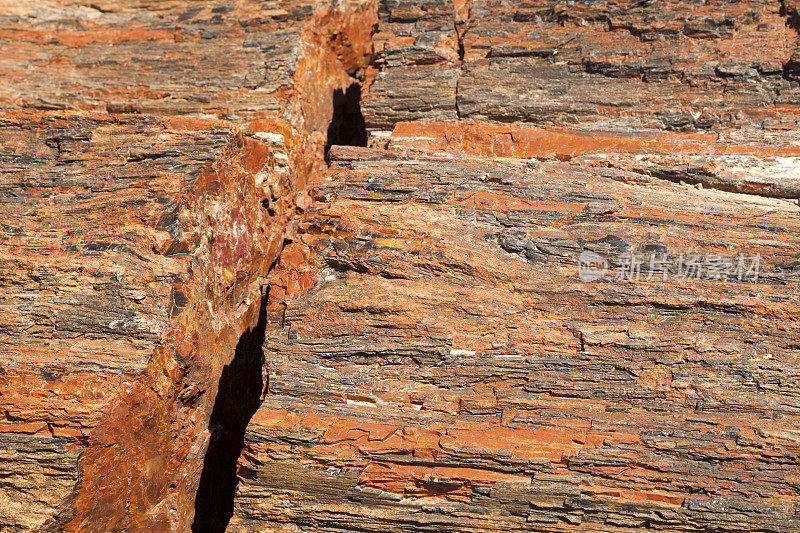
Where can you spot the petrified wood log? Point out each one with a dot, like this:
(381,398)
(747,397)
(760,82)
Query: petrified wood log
(558,293)
(599,65)
(748,160)
(435,362)
(135,245)
(128,276)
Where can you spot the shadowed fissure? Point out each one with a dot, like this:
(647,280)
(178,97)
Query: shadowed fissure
(238,398)
(241,383)
(347,127)
(791,69)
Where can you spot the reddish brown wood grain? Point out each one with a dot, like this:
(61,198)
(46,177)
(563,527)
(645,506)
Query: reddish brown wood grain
(448,369)
(171,206)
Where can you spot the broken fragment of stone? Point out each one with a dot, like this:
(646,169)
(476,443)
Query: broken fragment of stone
(136,245)
(232,61)
(440,365)
(593,65)
(415,66)
(133,252)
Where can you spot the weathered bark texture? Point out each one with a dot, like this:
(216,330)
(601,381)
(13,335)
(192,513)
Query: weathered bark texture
(672,65)
(446,369)
(135,247)
(409,328)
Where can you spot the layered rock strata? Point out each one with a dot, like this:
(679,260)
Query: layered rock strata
(600,66)
(128,277)
(438,363)
(558,293)
(153,157)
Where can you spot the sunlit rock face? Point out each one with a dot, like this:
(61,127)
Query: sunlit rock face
(440,358)
(399,265)
(152,158)
(441,361)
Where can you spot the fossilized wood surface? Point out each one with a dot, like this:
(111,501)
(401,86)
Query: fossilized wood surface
(135,245)
(433,361)
(240,61)
(599,65)
(747,160)
(437,364)
(231,60)
(128,276)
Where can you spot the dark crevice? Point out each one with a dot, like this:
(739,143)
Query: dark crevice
(461,51)
(459,38)
(791,69)
(347,127)
(792,16)
(241,385)
(238,398)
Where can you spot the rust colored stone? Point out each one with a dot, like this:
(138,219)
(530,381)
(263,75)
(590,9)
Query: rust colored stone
(558,292)
(449,370)
(742,160)
(599,66)
(153,158)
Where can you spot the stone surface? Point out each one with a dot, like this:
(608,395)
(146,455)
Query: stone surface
(218,60)
(241,61)
(128,277)
(420,332)
(137,231)
(675,65)
(747,160)
(436,363)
